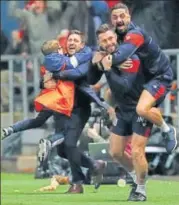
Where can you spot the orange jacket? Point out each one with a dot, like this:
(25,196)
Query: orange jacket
(59,99)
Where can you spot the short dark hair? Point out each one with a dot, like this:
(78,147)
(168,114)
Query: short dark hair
(120,6)
(81,34)
(103,28)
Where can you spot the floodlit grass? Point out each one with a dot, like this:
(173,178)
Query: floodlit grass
(18,189)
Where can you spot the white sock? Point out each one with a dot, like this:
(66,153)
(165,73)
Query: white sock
(141,189)
(164,127)
(133,175)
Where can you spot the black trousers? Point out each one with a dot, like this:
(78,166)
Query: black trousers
(72,128)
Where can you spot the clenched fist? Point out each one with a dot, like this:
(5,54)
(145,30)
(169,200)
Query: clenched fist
(107,62)
(98,56)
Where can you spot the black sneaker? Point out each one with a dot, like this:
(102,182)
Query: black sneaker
(133,189)
(170,139)
(137,197)
(7,132)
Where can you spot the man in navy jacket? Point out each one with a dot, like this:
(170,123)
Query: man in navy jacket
(126,86)
(157,69)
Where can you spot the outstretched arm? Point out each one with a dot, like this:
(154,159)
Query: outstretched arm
(74,74)
(57,62)
(125,79)
(17,12)
(132,42)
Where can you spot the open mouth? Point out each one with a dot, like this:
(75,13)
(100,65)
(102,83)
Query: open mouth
(71,48)
(120,25)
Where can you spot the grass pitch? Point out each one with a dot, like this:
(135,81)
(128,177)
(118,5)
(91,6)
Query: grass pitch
(18,189)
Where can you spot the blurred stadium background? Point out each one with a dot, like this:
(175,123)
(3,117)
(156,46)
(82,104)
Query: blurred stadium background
(21,60)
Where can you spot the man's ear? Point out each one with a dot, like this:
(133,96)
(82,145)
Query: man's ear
(129,18)
(97,40)
(82,45)
(115,36)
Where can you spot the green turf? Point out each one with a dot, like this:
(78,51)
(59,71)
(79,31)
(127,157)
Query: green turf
(18,189)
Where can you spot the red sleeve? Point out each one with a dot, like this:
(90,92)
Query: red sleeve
(134,38)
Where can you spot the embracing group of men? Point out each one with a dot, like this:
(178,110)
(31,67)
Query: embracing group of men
(139,76)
